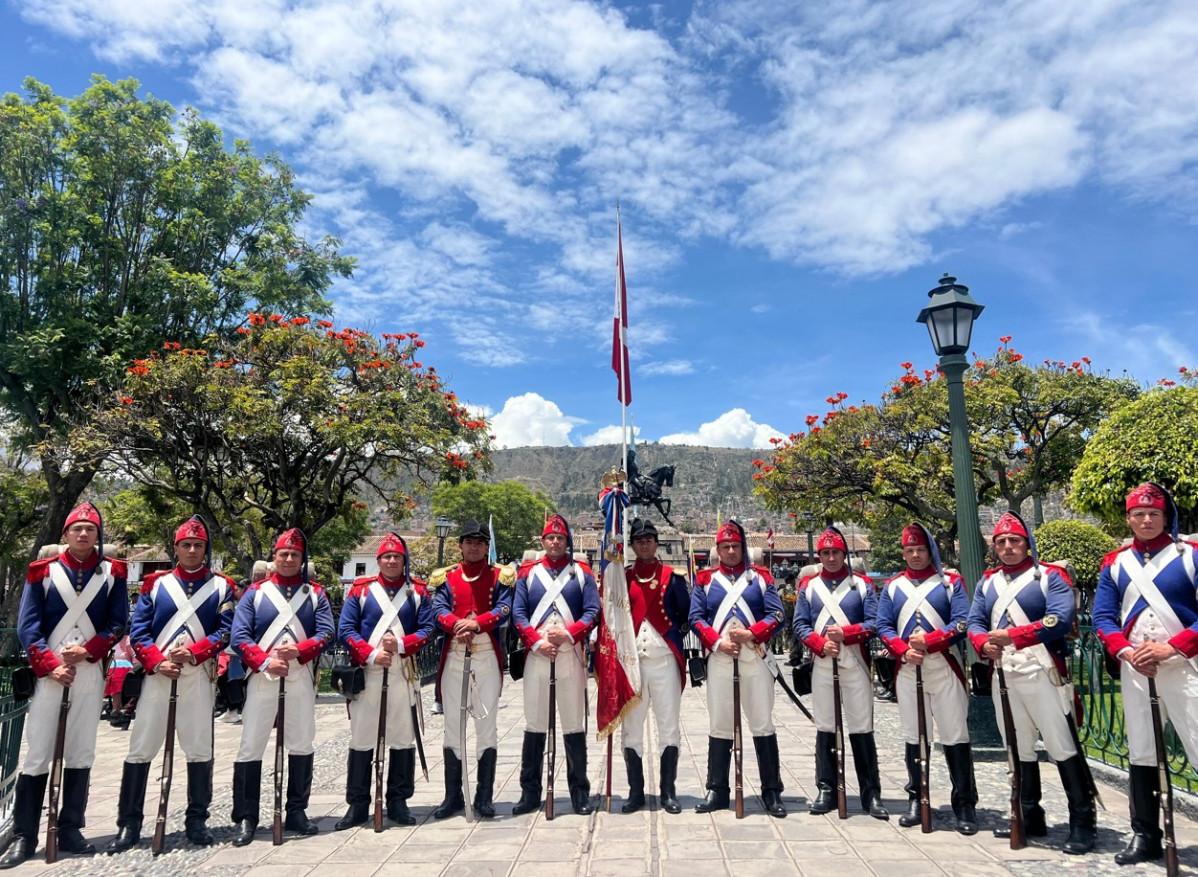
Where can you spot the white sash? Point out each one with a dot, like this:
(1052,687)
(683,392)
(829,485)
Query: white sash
(1005,598)
(390,611)
(287,613)
(1142,583)
(185,608)
(917,599)
(552,597)
(830,600)
(733,597)
(76,603)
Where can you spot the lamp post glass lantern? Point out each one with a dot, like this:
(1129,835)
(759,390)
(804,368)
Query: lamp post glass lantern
(949,316)
(442,525)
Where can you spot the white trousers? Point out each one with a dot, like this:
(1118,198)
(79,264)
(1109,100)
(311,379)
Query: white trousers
(756,695)
(261,706)
(856,694)
(1177,687)
(661,689)
(571,685)
(41,722)
(364,711)
(946,702)
(484,696)
(193,715)
(1035,705)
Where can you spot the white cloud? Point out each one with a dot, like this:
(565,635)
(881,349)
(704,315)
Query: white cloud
(531,420)
(732,429)
(608,435)
(672,367)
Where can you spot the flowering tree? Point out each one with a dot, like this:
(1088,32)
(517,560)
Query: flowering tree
(869,462)
(291,423)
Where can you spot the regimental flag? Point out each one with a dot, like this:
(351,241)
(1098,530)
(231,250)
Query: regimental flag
(617,669)
(619,339)
(769,539)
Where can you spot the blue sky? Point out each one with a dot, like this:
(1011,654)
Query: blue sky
(793,179)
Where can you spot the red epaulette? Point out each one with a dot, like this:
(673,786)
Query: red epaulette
(1110,557)
(317,588)
(955,579)
(991,572)
(1059,570)
(360,588)
(364,580)
(147,584)
(764,573)
(864,578)
(703,576)
(255,586)
(522,573)
(804,580)
(120,569)
(420,587)
(39,569)
(585,567)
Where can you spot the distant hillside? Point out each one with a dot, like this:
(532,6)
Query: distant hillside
(704,478)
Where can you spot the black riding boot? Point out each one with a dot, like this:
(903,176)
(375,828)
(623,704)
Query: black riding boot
(576,773)
(1083,816)
(484,804)
(914,781)
(453,802)
(959,758)
(636,782)
(719,759)
(299,789)
(531,759)
(357,789)
(1145,806)
(199,798)
(130,807)
(1034,824)
(669,775)
(27,813)
(247,795)
(769,766)
(71,814)
(825,773)
(401,785)
(865,760)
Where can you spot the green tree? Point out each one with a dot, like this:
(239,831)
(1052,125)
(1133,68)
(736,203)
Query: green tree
(123,224)
(859,463)
(1083,544)
(518,513)
(1152,439)
(290,424)
(22,503)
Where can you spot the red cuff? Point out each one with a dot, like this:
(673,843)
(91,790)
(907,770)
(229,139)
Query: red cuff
(1186,642)
(360,650)
(446,621)
(763,630)
(816,643)
(98,647)
(1115,643)
(43,662)
(487,621)
(855,633)
(1026,635)
(412,643)
(310,648)
(203,650)
(896,645)
(530,636)
(150,656)
(707,636)
(979,641)
(578,631)
(254,657)
(937,640)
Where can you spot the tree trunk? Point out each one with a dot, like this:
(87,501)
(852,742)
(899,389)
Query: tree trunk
(1037,511)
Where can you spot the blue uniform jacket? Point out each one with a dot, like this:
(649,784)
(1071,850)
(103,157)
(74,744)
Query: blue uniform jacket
(362,612)
(1053,604)
(761,596)
(255,613)
(860,607)
(583,600)
(155,610)
(1175,580)
(951,604)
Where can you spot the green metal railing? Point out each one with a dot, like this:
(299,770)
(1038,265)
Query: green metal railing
(1102,733)
(12,721)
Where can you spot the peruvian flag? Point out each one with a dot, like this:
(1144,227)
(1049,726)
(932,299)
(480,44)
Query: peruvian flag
(619,337)
(769,539)
(617,668)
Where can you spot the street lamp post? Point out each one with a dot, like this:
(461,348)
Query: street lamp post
(808,517)
(443,525)
(949,317)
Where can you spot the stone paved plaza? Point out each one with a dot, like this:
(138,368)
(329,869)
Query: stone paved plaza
(649,842)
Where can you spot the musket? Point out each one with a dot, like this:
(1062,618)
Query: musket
(463,713)
(417,715)
(380,751)
(1018,834)
(60,740)
(925,795)
(842,802)
(280,717)
(168,772)
(1163,778)
(551,740)
(738,755)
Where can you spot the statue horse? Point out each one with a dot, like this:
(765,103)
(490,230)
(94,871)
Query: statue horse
(646,490)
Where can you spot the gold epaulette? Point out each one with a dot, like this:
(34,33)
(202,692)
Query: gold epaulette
(437,579)
(507,575)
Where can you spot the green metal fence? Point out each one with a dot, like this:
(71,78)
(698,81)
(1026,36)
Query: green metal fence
(12,722)
(1102,733)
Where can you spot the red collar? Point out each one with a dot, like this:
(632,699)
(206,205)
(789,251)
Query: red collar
(198,575)
(556,565)
(834,576)
(922,575)
(1023,566)
(70,561)
(288,581)
(644,570)
(474,569)
(732,572)
(391,583)
(1152,544)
